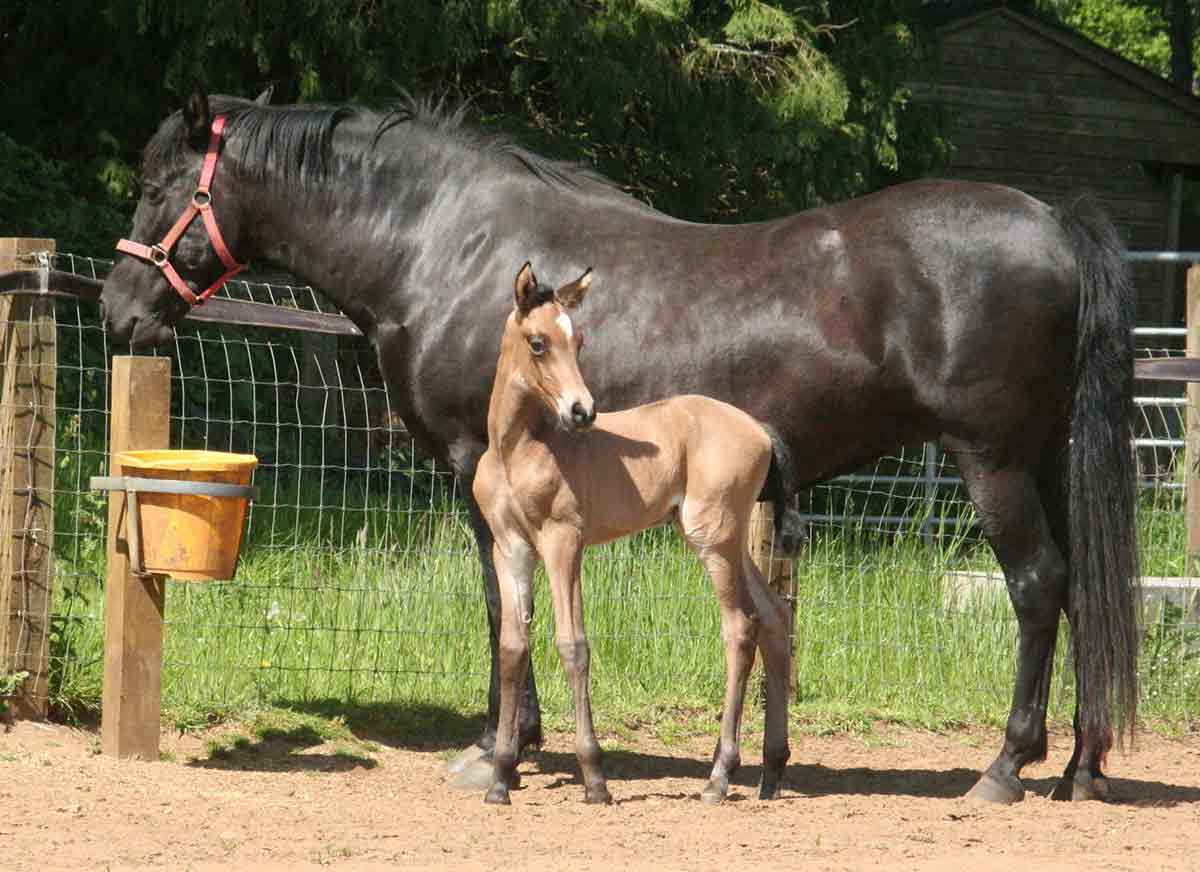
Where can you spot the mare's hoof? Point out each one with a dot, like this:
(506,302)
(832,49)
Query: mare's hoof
(1070,790)
(497,795)
(465,758)
(991,789)
(474,777)
(597,796)
(768,791)
(714,792)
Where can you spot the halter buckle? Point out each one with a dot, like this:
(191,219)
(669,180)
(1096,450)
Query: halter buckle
(201,198)
(158,255)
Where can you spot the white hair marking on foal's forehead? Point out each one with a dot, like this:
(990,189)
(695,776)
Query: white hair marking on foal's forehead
(564,322)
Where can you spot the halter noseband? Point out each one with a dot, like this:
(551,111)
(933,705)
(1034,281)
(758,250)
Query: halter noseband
(201,204)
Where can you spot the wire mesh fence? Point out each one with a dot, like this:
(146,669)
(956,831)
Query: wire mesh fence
(359,580)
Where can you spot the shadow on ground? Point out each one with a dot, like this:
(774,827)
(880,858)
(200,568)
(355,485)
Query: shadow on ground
(342,736)
(814,780)
(410,726)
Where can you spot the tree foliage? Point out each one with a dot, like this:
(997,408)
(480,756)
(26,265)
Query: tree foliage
(1138,30)
(708,109)
(1135,30)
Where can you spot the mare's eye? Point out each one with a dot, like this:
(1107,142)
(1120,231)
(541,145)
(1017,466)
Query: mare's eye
(537,345)
(152,193)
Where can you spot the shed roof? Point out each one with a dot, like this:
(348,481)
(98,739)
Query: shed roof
(949,16)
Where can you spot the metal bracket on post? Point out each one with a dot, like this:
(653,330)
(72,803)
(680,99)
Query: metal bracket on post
(132,486)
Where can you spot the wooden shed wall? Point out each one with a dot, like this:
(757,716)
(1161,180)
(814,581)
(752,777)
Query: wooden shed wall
(1026,111)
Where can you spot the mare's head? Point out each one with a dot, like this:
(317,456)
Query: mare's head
(543,345)
(185,237)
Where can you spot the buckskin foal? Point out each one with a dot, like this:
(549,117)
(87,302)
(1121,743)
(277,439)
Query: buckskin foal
(557,477)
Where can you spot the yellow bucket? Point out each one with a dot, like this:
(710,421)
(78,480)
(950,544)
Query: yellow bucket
(185,536)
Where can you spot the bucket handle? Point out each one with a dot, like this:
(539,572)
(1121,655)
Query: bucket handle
(132,486)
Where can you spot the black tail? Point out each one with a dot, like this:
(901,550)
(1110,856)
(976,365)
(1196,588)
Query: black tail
(1101,482)
(780,489)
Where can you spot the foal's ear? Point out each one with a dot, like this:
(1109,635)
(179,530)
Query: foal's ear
(524,288)
(571,294)
(197,119)
(264,99)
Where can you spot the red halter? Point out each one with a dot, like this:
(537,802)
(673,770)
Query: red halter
(201,204)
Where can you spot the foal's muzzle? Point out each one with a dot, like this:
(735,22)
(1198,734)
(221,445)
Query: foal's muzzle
(582,417)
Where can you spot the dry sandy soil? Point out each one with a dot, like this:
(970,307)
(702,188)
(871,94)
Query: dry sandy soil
(890,799)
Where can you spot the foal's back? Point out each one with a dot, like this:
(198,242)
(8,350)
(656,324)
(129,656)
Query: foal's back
(633,469)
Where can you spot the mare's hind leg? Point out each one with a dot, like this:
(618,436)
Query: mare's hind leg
(1015,522)
(1083,778)
(775,646)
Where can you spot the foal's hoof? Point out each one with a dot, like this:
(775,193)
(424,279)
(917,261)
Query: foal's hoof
(597,795)
(991,789)
(1070,790)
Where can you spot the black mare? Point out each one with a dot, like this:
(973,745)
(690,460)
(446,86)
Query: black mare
(968,313)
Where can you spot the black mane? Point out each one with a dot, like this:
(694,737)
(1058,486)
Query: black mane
(294,142)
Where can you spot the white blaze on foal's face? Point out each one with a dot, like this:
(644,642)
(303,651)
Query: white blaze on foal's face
(564,322)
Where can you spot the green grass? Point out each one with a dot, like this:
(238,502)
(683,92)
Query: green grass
(349,606)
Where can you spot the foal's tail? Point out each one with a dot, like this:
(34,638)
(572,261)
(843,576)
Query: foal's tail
(1101,472)
(780,489)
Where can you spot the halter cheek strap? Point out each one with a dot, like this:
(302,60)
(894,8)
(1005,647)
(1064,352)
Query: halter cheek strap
(201,204)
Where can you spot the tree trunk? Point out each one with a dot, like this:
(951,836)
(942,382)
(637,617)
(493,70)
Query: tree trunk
(1181,43)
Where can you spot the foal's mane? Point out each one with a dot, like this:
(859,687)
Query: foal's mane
(295,141)
(542,294)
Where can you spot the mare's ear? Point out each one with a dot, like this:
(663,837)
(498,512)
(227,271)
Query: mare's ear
(571,294)
(264,99)
(524,288)
(197,119)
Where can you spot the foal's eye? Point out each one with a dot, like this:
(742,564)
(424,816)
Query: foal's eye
(537,345)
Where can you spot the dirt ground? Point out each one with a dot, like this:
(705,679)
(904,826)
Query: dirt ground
(887,799)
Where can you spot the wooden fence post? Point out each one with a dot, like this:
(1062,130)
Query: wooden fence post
(1192,484)
(28,367)
(778,570)
(133,610)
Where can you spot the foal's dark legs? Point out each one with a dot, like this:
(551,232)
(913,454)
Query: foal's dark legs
(472,769)
(1015,522)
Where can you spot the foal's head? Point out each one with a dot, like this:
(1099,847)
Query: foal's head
(544,347)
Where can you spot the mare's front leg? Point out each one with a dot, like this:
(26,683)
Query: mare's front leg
(562,552)
(514,560)
(472,769)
